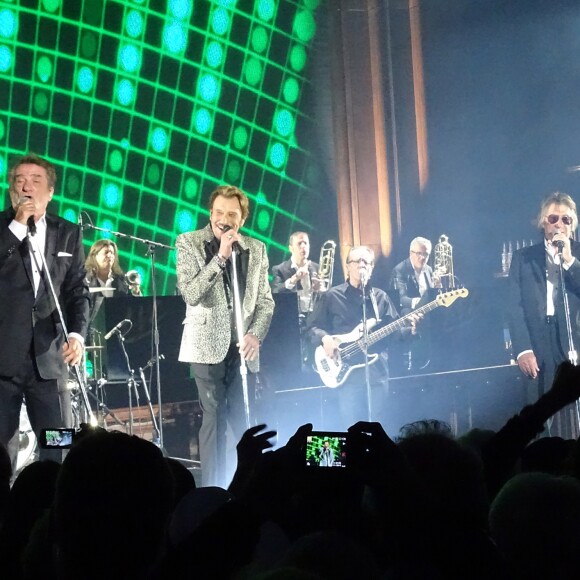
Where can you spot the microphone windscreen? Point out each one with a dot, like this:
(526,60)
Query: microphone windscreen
(31,225)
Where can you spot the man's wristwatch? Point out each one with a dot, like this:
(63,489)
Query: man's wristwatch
(221,262)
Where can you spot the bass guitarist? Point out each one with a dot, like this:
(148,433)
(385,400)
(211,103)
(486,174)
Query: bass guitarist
(338,312)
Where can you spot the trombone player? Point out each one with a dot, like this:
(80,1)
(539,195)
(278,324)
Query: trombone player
(298,274)
(414,283)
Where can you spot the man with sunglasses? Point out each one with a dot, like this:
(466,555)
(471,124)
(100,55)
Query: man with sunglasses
(339,312)
(536,300)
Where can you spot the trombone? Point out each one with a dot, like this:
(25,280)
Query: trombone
(443,262)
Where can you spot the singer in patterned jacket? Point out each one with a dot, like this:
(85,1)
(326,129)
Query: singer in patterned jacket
(209,342)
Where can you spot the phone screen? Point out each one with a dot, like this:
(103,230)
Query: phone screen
(57,438)
(326,449)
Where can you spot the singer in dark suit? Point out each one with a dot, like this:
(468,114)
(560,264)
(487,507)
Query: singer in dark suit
(536,308)
(34,354)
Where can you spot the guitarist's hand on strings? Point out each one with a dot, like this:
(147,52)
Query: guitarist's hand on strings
(414,319)
(330,347)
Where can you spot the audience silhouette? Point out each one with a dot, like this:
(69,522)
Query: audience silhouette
(425,505)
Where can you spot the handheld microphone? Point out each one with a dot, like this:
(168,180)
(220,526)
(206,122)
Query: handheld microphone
(558,243)
(235,245)
(30,221)
(31,225)
(117,328)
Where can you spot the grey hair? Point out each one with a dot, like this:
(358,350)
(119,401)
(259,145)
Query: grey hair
(560,199)
(423,241)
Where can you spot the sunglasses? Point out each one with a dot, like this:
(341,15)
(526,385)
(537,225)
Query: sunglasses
(553,219)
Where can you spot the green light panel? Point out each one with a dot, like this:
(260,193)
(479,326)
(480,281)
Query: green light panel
(146,106)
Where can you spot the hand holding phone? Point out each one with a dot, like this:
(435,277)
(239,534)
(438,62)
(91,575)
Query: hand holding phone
(373,453)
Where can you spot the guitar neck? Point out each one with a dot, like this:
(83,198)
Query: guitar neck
(399,323)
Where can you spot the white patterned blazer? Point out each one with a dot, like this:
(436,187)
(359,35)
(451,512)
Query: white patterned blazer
(207,328)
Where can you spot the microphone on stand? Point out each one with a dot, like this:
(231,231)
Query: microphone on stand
(31,224)
(558,243)
(80,220)
(364,277)
(117,329)
(235,245)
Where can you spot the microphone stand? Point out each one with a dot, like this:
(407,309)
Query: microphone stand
(365,346)
(150,363)
(240,331)
(131,383)
(151,253)
(81,378)
(572,354)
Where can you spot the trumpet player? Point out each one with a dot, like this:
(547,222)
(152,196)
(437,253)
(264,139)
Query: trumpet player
(298,274)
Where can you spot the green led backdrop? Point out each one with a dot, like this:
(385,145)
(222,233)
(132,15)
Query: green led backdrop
(146,105)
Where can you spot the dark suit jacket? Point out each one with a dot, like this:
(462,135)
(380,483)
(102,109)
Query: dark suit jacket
(26,320)
(283,271)
(404,283)
(527,301)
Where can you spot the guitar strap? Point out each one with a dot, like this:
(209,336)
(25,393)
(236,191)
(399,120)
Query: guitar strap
(375,305)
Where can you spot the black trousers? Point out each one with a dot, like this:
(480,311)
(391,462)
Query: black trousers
(48,405)
(349,403)
(221,400)
(565,422)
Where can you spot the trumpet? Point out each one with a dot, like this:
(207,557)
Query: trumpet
(326,265)
(443,264)
(133,279)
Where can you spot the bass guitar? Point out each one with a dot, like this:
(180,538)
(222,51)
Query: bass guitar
(334,370)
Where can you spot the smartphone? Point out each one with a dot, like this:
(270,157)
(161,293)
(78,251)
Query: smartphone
(56,438)
(326,449)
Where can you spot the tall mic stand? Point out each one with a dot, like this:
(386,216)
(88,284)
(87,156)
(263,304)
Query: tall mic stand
(572,354)
(150,363)
(131,383)
(365,346)
(240,332)
(81,378)
(151,253)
